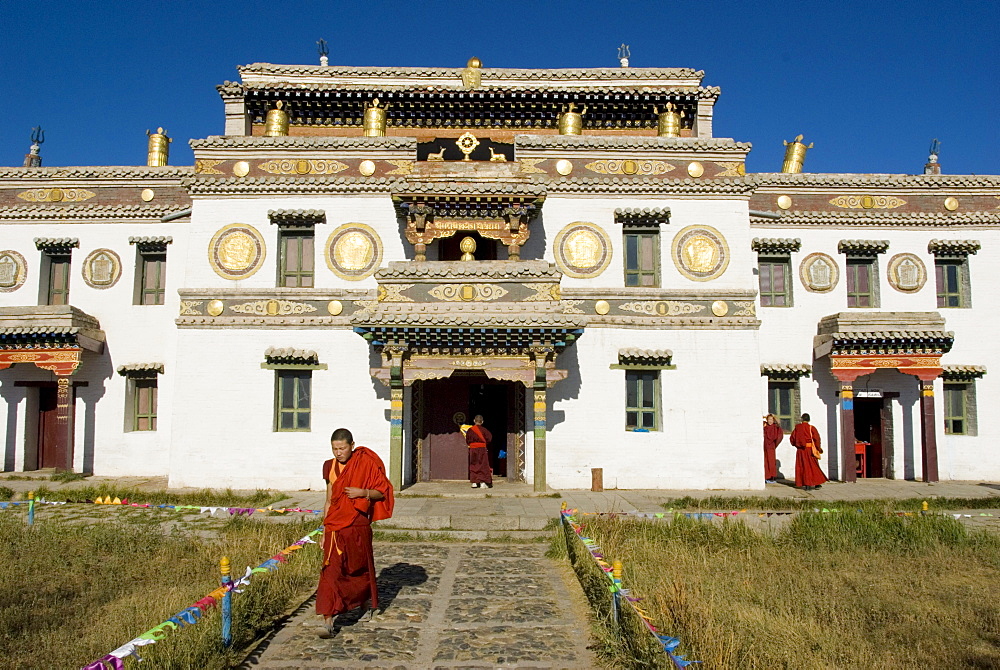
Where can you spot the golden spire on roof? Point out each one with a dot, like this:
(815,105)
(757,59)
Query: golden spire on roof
(472,75)
(795,155)
(276,124)
(158,151)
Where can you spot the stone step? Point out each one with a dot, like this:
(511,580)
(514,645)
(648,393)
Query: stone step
(491,522)
(511,536)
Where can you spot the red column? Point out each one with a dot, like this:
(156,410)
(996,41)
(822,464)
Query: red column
(928,434)
(846,377)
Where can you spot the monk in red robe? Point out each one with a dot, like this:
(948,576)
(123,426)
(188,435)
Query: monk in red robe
(773,434)
(805,439)
(357,493)
(478,439)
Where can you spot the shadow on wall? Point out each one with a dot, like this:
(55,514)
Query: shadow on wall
(15,399)
(567,389)
(534,248)
(98,369)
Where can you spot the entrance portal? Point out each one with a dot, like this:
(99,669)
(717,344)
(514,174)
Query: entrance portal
(441,406)
(873,435)
(53,447)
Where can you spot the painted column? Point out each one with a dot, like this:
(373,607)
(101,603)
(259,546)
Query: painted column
(65,418)
(541,406)
(928,434)
(848,467)
(396,419)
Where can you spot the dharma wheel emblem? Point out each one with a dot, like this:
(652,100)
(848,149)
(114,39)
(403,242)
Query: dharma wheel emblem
(467,143)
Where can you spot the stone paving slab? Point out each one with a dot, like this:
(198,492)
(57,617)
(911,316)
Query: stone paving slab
(450,606)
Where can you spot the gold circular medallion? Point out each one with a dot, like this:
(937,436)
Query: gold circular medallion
(236,251)
(335,307)
(700,253)
(951,204)
(353,251)
(13,270)
(564,167)
(602,307)
(720,308)
(582,250)
(784,201)
(630,167)
(214,307)
(367,168)
(147,194)
(867,202)
(241,169)
(102,268)
(696,169)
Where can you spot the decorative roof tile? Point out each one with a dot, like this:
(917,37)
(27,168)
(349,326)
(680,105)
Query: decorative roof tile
(883,219)
(780,245)
(56,243)
(88,212)
(785,370)
(140,369)
(503,74)
(456,90)
(290,355)
(953,247)
(642,215)
(863,247)
(962,372)
(635,356)
(935,182)
(170,172)
(591,142)
(306,142)
(297,217)
(205,185)
(404,187)
(150,240)
(449,270)
(647,185)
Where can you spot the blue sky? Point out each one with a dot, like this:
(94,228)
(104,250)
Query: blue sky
(870,83)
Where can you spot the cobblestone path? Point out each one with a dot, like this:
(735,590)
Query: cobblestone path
(450,605)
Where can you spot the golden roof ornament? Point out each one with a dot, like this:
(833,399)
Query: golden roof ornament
(668,122)
(795,155)
(472,75)
(571,122)
(376,119)
(158,150)
(468,247)
(276,124)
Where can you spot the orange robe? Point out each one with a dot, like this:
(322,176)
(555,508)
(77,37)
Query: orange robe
(347,578)
(807,472)
(478,438)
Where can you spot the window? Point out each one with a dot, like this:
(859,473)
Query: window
(642,400)
(861,282)
(152,271)
(775,282)
(58,279)
(783,402)
(959,408)
(143,403)
(951,275)
(295,263)
(293,397)
(642,257)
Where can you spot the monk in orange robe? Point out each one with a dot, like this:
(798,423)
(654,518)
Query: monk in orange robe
(357,493)
(478,439)
(805,439)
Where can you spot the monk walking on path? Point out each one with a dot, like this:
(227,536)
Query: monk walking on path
(357,493)
(805,439)
(478,439)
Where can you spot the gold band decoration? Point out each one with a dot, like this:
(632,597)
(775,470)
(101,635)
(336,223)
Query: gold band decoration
(628,166)
(236,251)
(907,273)
(207,165)
(302,166)
(354,251)
(468,292)
(393,293)
(733,169)
(819,273)
(102,268)
(700,253)
(867,201)
(529,165)
(273,308)
(582,250)
(402,166)
(662,307)
(56,195)
(190,307)
(13,270)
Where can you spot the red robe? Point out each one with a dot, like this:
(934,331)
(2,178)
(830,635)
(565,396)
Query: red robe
(807,472)
(347,577)
(773,434)
(478,438)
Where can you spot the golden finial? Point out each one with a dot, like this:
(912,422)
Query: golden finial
(571,122)
(472,75)
(376,119)
(795,155)
(468,246)
(668,122)
(158,150)
(276,124)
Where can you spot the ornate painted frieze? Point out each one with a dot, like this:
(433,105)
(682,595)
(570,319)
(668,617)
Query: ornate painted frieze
(102,268)
(56,195)
(582,250)
(731,169)
(819,273)
(207,166)
(403,167)
(907,273)
(867,201)
(644,167)
(13,270)
(190,307)
(468,292)
(273,308)
(529,165)
(394,293)
(302,166)
(354,251)
(700,253)
(542,292)
(662,307)
(236,251)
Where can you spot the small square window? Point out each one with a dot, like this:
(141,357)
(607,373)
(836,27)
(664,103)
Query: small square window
(952,279)
(293,400)
(142,397)
(783,402)
(956,408)
(642,391)
(151,277)
(642,257)
(295,257)
(775,282)
(862,282)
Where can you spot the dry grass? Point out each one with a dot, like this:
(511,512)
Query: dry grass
(768,503)
(848,590)
(70,593)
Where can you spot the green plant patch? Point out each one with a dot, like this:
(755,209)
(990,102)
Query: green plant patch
(66,476)
(858,589)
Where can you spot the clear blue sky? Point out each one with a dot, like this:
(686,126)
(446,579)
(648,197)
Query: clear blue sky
(871,83)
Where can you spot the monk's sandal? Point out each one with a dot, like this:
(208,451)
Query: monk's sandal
(329,631)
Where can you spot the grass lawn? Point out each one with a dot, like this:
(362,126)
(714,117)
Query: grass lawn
(71,591)
(855,589)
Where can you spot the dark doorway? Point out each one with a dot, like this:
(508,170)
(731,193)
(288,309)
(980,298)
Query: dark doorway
(447,404)
(870,436)
(53,449)
(449,247)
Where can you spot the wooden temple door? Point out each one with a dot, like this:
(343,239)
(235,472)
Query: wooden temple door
(445,451)
(53,443)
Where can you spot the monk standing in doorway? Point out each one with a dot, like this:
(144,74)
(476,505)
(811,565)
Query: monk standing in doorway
(773,434)
(357,493)
(478,439)
(805,439)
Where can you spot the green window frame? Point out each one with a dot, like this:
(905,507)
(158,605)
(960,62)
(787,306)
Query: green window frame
(57,291)
(951,277)
(783,403)
(152,277)
(642,257)
(292,400)
(775,278)
(144,398)
(956,408)
(642,400)
(296,257)
(862,288)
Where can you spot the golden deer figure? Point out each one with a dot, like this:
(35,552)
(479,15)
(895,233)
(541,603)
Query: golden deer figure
(439,156)
(497,157)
